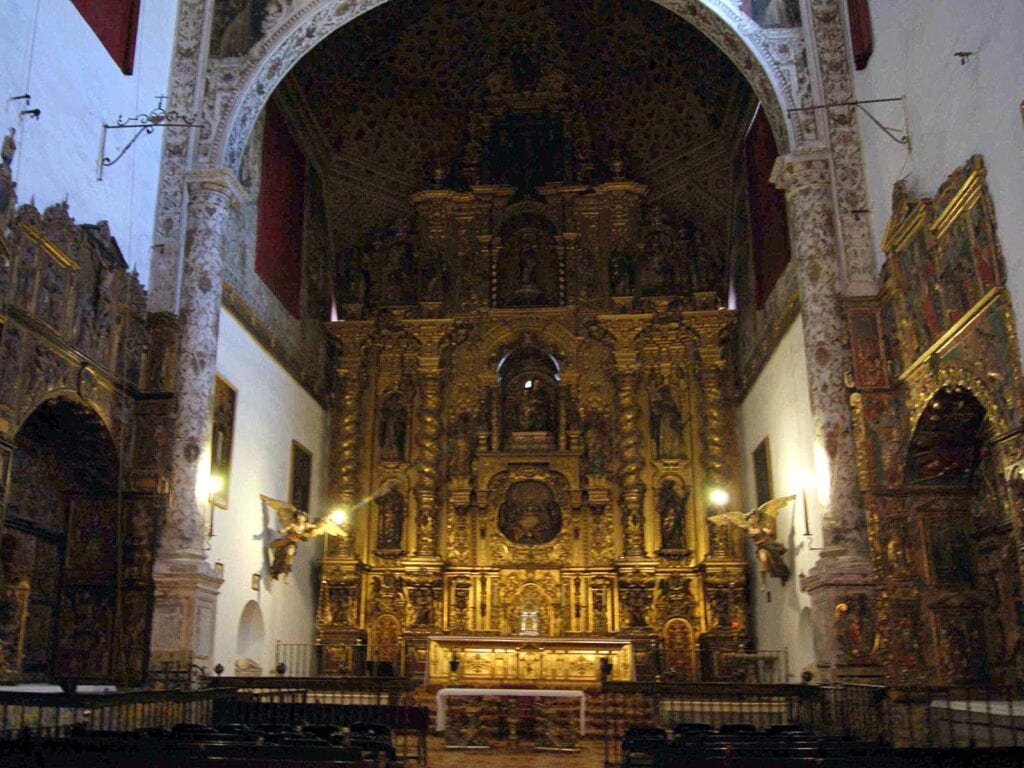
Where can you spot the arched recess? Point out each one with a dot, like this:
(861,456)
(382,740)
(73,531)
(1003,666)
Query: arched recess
(679,651)
(85,612)
(251,633)
(384,638)
(234,102)
(950,536)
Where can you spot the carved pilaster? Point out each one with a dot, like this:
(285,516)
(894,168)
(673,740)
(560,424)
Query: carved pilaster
(210,195)
(806,179)
(185,87)
(855,254)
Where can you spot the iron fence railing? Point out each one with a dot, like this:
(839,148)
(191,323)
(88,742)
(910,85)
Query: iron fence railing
(57,715)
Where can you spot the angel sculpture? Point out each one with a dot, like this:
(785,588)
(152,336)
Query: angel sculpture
(760,525)
(295,527)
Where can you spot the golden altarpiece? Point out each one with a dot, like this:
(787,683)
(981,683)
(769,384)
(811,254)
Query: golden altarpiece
(530,401)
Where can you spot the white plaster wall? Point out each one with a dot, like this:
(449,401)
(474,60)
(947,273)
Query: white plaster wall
(778,407)
(48,51)
(952,111)
(271,411)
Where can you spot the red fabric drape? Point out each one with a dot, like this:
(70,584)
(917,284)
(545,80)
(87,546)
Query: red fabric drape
(280,212)
(769,232)
(115,23)
(861,38)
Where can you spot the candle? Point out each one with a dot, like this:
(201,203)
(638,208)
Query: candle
(807,519)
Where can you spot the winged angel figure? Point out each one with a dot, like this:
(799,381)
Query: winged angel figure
(760,525)
(295,527)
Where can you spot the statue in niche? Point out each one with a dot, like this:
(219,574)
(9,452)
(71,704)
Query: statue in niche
(391,507)
(667,425)
(461,463)
(353,278)
(671,507)
(533,409)
(393,427)
(595,444)
(621,270)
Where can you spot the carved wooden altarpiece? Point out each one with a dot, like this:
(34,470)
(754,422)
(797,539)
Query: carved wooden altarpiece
(526,396)
(938,404)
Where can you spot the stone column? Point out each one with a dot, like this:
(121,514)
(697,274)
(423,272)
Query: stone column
(186,587)
(844,565)
(806,179)
(428,454)
(631,497)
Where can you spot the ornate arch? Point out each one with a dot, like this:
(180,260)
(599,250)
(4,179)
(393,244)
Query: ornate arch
(238,89)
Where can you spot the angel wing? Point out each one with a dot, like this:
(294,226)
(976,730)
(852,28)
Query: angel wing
(765,515)
(326,525)
(729,518)
(285,511)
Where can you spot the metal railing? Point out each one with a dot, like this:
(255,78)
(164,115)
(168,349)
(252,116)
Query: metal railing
(56,715)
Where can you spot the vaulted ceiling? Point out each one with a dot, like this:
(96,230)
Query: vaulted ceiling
(389,95)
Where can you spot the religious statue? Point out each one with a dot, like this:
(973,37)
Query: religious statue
(392,518)
(671,507)
(667,426)
(595,444)
(534,408)
(462,444)
(760,525)
(393,427)
(295,528)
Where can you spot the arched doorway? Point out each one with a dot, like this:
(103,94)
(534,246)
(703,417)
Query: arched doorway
(81,561)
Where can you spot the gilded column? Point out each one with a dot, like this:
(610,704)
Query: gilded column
(343,482)
(631,462)
(186,588)
(717,425)
(428,454)
(806,180)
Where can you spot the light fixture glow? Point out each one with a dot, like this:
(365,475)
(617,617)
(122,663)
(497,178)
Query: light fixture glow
(339,516)
(719,497)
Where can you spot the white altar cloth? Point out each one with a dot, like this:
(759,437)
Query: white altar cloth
(444,693)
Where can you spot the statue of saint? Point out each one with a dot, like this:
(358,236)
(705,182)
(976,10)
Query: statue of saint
(392,429)
(667,426)
(672,514)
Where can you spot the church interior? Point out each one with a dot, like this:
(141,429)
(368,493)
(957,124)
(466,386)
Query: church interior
(505,367)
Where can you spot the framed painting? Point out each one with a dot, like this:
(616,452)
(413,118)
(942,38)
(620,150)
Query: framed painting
(224,399)
(301,476)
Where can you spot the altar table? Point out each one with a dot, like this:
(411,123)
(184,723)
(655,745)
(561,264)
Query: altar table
(445,693)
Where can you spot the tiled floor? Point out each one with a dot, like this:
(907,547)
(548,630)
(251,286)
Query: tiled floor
(591,755)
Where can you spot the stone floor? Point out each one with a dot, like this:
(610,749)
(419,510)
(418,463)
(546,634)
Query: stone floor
(591,755)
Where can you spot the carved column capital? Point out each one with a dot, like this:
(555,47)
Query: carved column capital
(215,183)
(803,170)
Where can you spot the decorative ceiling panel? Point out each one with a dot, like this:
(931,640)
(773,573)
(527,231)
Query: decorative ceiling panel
(393,94)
